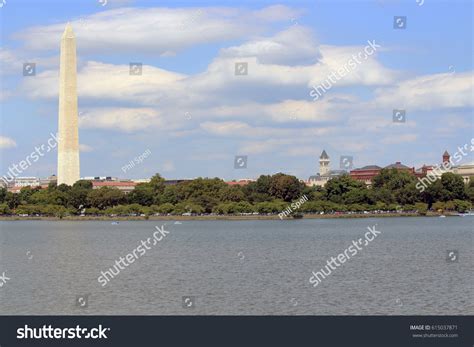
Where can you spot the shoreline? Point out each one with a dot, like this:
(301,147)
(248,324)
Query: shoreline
(222,217)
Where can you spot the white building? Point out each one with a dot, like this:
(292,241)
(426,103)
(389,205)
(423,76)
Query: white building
(26,181)
(325,172)
(466,171)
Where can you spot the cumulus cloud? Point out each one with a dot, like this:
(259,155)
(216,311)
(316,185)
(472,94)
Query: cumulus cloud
(294,46)
(108,82)
(156,30)
(429,92)
(6,142)
(122,119)
(269,109)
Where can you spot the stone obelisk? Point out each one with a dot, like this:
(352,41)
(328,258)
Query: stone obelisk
(68,143)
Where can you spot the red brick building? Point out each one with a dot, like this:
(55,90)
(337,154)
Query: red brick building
(366,173)
(242,182)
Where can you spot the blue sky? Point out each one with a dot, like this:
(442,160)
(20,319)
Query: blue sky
(195,115)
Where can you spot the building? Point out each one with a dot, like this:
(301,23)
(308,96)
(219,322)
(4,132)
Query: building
(366,174)
(101,178)
(124,186)
(400,167)
(46,181)
(68,142)
(142,180)
(423,171)
(466,171)
(325,172)
(242,182)
(26,182)
(324,163)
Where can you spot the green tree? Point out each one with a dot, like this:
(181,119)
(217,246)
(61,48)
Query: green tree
(4,209)
(337,187)
(165,208)
(83,184)
(143,194)
(438,206)
(452,186)
(105,197)
(285,187)
(462,206)
(3,194)
(421,207)
(231,193)
(93,211)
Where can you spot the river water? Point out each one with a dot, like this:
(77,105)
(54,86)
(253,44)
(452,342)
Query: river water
(238,267)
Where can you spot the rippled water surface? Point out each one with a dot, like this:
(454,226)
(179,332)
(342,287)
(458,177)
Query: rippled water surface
(238,267)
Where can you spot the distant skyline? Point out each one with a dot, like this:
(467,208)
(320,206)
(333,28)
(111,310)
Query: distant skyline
(162,77)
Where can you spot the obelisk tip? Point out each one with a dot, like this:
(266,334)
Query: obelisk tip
(68,30)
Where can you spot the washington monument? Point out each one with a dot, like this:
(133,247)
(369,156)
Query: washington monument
(68,143)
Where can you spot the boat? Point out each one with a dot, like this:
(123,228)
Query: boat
(115,223)
(442,216)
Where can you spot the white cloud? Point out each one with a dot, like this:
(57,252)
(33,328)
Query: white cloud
(156,30)
(368,72)
(294,46)
(396,139)
(85,148)
(121,119)
(109,82)
(6,142)
(429,92)
(12,61)
(267,110)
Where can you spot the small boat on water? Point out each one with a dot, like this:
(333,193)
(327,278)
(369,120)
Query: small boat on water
(177,222)
(115,223)
(442,216)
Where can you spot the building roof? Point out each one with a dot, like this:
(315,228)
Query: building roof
(329,174)
(324,155)
(336,172)
(424,167)
(397,165)
(368,167)
(113,184)
(445,153)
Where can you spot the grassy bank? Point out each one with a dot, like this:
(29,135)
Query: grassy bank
(219,217)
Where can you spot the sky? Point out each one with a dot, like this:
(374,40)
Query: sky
(194,111)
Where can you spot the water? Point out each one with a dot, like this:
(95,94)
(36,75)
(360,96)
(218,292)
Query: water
(238,267)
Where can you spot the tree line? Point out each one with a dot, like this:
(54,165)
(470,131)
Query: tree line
(391,190)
